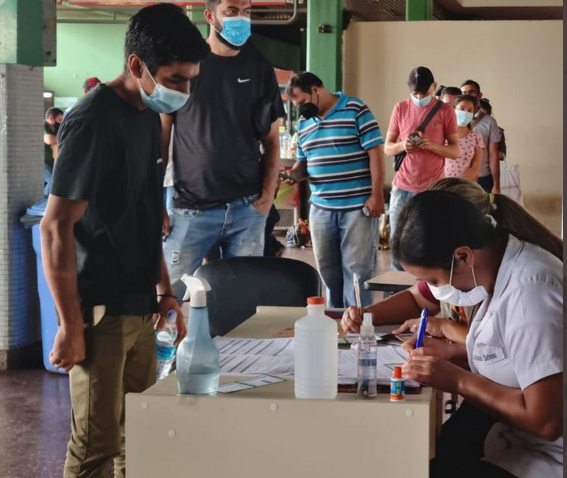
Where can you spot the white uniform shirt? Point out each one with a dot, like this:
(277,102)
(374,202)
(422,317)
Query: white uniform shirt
(516,339)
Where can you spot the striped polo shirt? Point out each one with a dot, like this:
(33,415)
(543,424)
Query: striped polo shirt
(335,149)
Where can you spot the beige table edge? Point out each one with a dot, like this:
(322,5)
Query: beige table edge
(158,423)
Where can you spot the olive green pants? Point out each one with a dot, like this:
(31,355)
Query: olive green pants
(121,358)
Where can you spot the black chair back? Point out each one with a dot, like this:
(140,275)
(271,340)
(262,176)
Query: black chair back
(240,284)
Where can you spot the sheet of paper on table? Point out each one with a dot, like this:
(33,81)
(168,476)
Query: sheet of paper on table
(276,357)
(269,347)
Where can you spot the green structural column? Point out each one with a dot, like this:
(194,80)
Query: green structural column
(21,32)
(419,10)
(325,41)
(198,14)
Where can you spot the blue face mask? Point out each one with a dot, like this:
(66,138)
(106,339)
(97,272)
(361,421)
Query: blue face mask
(163,100)
(235,30)
(464,117)
(423,102)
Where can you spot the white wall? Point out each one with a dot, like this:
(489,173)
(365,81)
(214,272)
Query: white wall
(519,65)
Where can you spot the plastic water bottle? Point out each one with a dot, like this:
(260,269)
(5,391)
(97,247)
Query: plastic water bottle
(286,145)
(198,358)
(165,348)
(367,359)
(316,353)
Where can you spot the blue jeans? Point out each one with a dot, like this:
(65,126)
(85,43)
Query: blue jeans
(398,199)
(168,198)
(344,243)
(47,174)
(237,227)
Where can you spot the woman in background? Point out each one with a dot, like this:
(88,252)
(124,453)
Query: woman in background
(467,165)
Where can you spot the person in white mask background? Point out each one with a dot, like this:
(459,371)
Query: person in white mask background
(224,185)
(101,234)
(424,161)
(471,145)
(514,342)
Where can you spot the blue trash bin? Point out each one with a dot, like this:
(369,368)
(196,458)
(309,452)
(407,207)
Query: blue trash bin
(49,321)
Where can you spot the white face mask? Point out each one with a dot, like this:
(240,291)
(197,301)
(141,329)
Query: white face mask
(448,293)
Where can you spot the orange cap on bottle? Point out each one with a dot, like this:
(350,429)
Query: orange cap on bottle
(315,300)
(397,372)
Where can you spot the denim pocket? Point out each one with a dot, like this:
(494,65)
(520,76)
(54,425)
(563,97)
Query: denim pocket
(258,212)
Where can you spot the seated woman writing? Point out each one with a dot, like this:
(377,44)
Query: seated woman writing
(403,307)
(514,341)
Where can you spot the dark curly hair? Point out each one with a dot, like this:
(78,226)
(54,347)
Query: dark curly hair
(162,33)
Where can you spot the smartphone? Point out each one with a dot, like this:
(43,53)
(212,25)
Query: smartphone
(414,138)
(287,176)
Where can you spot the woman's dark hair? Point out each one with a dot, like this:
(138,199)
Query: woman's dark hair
(162,33)
(303,81)
(462,98)
(510,216)
(485,105)
(435,223)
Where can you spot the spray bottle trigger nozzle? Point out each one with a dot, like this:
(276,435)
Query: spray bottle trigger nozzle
(194,284)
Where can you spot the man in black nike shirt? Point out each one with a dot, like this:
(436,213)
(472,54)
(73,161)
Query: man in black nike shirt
(224,185)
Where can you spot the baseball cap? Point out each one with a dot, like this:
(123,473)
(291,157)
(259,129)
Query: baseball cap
(91,83)
(420,79)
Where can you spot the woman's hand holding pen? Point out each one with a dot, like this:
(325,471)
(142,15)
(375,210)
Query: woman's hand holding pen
(352,319)
(431,347)
(433,371)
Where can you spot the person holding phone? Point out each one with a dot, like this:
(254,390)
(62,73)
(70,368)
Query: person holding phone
(424,162)
(340,150)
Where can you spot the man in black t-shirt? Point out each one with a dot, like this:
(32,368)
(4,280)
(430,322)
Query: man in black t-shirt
(224,185)
(101,234)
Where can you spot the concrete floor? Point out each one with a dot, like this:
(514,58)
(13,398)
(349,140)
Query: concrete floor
(35,411)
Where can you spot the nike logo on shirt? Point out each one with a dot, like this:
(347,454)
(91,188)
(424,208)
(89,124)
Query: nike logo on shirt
(244,81)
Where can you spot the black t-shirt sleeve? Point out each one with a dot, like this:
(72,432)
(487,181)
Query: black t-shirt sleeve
(273,95)
(269,106)
(83,158)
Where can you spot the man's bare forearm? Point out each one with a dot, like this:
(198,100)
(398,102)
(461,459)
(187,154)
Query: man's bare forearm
(271,161)
(164,286)
(377,170)
(494,164)
(60,268)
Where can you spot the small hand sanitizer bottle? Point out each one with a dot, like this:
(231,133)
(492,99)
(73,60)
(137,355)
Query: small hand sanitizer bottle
(367,357)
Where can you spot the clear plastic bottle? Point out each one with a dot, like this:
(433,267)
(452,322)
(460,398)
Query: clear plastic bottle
(165,348)
(367,358)
(286,145)
(198,360)
(316,353)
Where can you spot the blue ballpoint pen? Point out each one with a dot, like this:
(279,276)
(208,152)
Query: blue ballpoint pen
(422,327)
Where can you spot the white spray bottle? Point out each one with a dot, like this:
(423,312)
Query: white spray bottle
(198,361)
